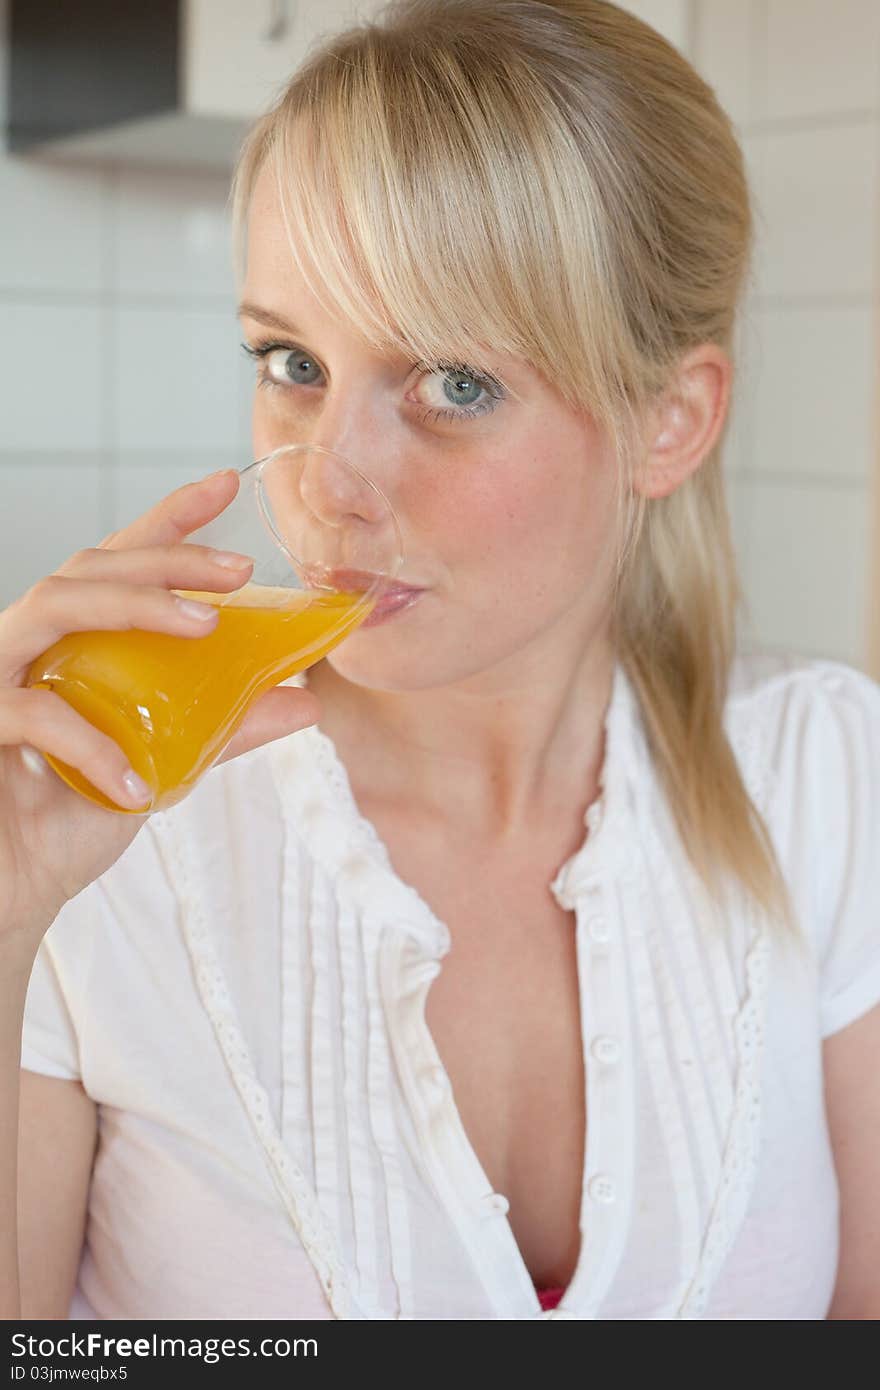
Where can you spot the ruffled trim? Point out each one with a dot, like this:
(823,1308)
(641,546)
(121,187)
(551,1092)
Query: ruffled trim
(316,791)
(707,1250)
(606,847)
(740,1163)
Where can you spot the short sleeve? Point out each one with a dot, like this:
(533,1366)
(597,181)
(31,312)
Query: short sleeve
(848,728)
(53,1014)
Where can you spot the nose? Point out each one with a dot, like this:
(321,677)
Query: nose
(327,514)
(351,422)
(338,500)
(336,491)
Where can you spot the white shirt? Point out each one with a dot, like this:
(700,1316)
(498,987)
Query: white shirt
(242,994)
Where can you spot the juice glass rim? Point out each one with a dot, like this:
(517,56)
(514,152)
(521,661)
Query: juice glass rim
(260,464)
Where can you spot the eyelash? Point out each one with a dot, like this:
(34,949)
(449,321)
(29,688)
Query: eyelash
(491,386)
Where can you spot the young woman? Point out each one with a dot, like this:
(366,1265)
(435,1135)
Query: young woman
(528,962)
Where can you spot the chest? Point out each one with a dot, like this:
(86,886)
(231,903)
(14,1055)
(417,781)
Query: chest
(504,1015)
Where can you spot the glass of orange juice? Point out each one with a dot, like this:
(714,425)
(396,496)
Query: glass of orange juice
(325,544)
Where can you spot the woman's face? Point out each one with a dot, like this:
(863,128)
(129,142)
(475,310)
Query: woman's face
(505,506)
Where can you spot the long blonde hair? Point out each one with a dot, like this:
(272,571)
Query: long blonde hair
(556,180)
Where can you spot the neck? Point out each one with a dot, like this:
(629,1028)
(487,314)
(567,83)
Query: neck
(509,751)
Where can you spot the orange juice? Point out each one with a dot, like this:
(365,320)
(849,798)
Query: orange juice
(173,703)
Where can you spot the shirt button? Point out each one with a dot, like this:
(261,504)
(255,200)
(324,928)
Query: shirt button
(602,1189)
(598,928)
(606,1049)
(498,1202)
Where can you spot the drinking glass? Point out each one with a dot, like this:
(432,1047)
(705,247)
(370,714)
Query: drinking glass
(325,544)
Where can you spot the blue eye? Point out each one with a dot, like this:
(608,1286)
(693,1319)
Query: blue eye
(283,365)
(461,389)
(470,393)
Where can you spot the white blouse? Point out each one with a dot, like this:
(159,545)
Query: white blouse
(243,995)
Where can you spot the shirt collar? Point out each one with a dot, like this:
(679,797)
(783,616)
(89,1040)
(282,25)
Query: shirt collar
(317,794)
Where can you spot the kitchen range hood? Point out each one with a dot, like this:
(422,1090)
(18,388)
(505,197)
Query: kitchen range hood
(169,82)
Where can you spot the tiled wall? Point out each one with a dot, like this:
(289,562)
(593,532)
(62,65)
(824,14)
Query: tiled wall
(119,361)
(801,79)
(122,377)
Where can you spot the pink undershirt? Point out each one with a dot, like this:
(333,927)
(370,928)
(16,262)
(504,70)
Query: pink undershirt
(548,1298)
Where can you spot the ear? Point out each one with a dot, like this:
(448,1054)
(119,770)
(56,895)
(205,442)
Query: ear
(683,429)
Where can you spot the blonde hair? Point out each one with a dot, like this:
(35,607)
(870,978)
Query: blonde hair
(556,180)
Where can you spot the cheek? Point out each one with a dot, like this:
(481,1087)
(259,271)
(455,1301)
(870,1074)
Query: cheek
(533,523)
(271,426)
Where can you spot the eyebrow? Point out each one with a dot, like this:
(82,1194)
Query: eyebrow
(267,317)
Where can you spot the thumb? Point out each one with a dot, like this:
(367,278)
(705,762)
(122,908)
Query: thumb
(284,710)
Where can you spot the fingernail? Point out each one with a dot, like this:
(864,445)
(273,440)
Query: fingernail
(137,790)
(219,473)
(204,612)
(228,560)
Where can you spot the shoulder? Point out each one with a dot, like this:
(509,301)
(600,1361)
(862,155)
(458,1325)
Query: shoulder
(813,726)
(766,681)
(806,713)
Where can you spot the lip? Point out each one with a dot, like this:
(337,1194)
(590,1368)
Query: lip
(392,603)
(394,596)
(358,582)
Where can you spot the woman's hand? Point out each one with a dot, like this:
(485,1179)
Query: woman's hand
(52,840)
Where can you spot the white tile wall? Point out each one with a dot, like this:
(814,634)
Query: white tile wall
(748,369)
(738,500)
(811,410)
(122,377)
(805,552)
(53,231)
(725,53)
(671,18)
(121,373)
(822,59)
(801,79)
(51,370)
(177,374)
(50,509)
(817,189)
(172,236)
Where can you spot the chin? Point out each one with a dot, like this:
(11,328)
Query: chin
(378,660)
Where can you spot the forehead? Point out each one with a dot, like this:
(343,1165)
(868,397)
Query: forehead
(275,284)
(270,257)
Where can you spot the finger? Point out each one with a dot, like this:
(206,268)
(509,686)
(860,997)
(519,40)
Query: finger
(42,721)
(178,514)
(279,712)
(57,606)
(181,566)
